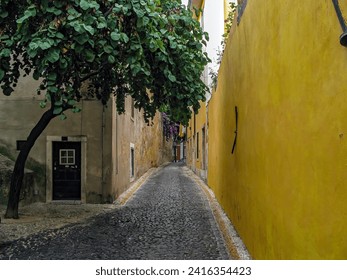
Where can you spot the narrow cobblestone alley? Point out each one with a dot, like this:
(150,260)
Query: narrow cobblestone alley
(169,217)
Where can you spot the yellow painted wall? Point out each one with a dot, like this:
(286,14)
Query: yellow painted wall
(285,187)
(197,121)
(194,162)
(200,123)
(190,156)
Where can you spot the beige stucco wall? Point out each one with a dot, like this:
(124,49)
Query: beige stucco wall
(108,141)
(20,112)
(151,150)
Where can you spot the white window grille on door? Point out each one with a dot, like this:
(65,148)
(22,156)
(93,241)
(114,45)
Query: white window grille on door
(67,157)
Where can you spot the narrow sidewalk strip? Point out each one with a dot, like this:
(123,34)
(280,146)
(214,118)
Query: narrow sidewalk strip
(235,246)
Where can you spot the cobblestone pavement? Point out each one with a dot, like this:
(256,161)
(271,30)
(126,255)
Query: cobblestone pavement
(167,218)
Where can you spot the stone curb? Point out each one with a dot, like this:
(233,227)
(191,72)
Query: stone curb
(236,248)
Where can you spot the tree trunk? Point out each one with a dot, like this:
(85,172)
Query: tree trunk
(18,172)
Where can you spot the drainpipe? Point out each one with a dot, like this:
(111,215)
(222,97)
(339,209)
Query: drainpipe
(343,37)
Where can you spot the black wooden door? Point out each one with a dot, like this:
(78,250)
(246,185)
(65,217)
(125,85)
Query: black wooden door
(66,170)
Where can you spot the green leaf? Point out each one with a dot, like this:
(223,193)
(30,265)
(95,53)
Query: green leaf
(84,5)
(124,37)
(76,110)
(102,24)
(88,28)
(59,35)
(160,44)
(117,8)
(53,55)
(111,59)
(171,77)
(115,36)
(77,47)
(44,45)
(145,20)
(48,97)
(33,46)
(22,19)
(173,44)
(163,31)
(90,56)
(73,14)
(153,45)
(50,83)
(71,102)
(52,76)
(32,52)
(54,10)
(57,110)
(52,89)
(63,117)
(135,68)
(139,12)
(3,14)
(82,39)
(43,104)
(91,43)
(30,12)
(4,37)
(77,26)
(58,103)
(135,45)
(5,53)
(108,49)
(142,21)
(63,63)
(102,42)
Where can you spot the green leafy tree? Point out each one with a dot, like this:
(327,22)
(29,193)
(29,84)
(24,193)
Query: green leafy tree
(151,50)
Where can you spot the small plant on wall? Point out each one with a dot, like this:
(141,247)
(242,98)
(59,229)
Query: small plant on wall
(228,24)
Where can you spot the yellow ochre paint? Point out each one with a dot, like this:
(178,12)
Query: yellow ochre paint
(285,187)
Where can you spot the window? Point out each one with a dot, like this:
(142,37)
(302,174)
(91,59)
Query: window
(66,156)
(132,161)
